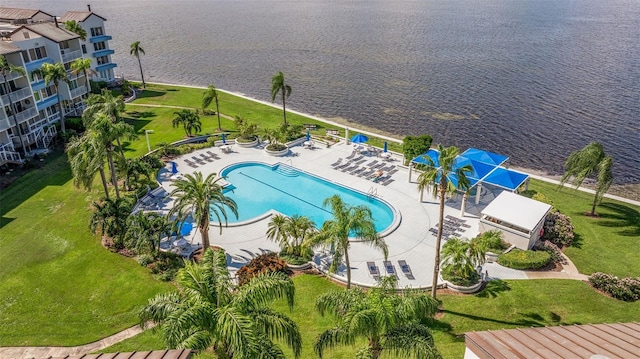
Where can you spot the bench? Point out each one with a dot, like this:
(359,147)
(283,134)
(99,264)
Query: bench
(332,131)
(310,126)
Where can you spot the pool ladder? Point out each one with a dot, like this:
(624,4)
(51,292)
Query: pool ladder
(372,192)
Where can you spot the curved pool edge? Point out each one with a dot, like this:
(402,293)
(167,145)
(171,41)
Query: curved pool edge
(397,215)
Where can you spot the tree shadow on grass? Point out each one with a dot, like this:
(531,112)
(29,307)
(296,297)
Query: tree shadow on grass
(624,217)
(577,241)
(493,288)
(151,93)
(134,115)
(526,319)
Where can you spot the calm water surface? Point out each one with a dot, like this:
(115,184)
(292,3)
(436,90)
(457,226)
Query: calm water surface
(533,79)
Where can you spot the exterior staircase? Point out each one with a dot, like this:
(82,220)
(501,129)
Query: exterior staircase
(9,155)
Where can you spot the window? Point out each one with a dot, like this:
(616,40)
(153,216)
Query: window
(25,56)
(84,49)
(96,31)
(38,53)
(64,45)
(73,84)
(99,46)
(26,34)
(102,60)
(36,95)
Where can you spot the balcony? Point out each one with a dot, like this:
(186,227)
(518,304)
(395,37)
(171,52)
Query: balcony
(37,63)
(13,75)
(78,91)
(8,154)
(105,67)
(47,102)
(25,114)
(68,56)
(100,38)
(104,52)
(16,95)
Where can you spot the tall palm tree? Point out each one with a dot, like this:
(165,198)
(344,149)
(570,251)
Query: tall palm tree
(291,233)
(110,219)
(83,66)
(86,158)
(348,221)
(279,86)
(146,230)
(207,97)
(584,163)
(76,28)
(201,197)
(7,69)
(108,104)
(444,179)
(385,321)
(208,310)
(189,120)
(136,50)
(54,74)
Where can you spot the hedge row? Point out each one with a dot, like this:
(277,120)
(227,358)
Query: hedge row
(519,259)
(627,289)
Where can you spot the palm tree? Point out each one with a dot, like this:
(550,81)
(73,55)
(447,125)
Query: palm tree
(386,322)
(460,258)
(106,103)
(347,221)
(291,233)
(76,28)
(207,97)
(442,180)
(201,197)
(86,158)
(582,164)
(279,86)
(53,74)
(208,310)
(7,69)
(146,230)
(136,50)
(189,119)
(83,66)
(110,219)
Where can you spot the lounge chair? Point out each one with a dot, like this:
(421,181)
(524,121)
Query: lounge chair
(406,270)
(387,181)
(352,155)
(390,268)
(213,155)
(190,163)
(336,163)
(206,158)
(373,270)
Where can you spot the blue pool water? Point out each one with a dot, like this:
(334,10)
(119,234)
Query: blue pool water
(258,188)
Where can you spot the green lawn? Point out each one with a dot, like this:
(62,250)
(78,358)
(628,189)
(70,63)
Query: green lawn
(58,285)
(604,244)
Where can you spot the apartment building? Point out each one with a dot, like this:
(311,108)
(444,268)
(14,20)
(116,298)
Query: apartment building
(29,106)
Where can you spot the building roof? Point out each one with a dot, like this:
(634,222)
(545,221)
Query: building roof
(156,354)
(8,48)
(50,31)
(9,13)
(78,16)
(621,340)
(517,210)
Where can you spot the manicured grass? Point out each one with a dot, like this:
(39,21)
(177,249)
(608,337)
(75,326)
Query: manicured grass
(605,244)
(58,285)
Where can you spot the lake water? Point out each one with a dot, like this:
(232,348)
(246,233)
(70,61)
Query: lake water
(533,79)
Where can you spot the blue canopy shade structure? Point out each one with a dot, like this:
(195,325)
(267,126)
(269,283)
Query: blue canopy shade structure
(505,178)
(359,138)
(432,154)
(224,138)
(174,167)
(484,156)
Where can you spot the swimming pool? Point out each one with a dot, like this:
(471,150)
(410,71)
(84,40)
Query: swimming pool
(259,189)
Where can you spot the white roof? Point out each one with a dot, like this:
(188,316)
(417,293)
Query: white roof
(517,210)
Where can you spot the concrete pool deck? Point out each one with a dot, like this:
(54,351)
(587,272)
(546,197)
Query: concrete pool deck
(411,241)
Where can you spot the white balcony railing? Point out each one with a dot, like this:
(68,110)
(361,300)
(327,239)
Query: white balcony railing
(26,114)
(16,95)
(78,91)
(70,55)
(8,154)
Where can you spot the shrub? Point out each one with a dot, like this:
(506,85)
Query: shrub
(264,263)
(519,259)
(491,241)
(145,259)
(558,229)
(626,289)
(414,146)
(466,280)
(166,265)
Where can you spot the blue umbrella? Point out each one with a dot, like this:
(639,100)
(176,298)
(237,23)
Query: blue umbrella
(308,135)
(385,146)
(174,168)
(359,138)
(224,139)
(186,228)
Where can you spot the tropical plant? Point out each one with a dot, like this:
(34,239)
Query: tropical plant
(83,66)
(246,129)
(189,120)
(275,137)
(385,321)
(264,263)
(279,86)
(208,310)
(132,170)
(348,221)
(414,146)
(76,28)
(459,261)
(145,231)
(442,180)
(209,96)
(54,74)
(86,158)
(106,103)
(202,197)
(136,50)
(292,234)
(585,162)
(110,219)
(7,69)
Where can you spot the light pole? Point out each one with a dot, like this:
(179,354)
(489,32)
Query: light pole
(146,134)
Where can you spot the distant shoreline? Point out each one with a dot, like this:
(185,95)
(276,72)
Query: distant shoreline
(537,174)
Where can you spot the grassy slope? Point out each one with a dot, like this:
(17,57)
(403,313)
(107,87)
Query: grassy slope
(58,286)
(602,244)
